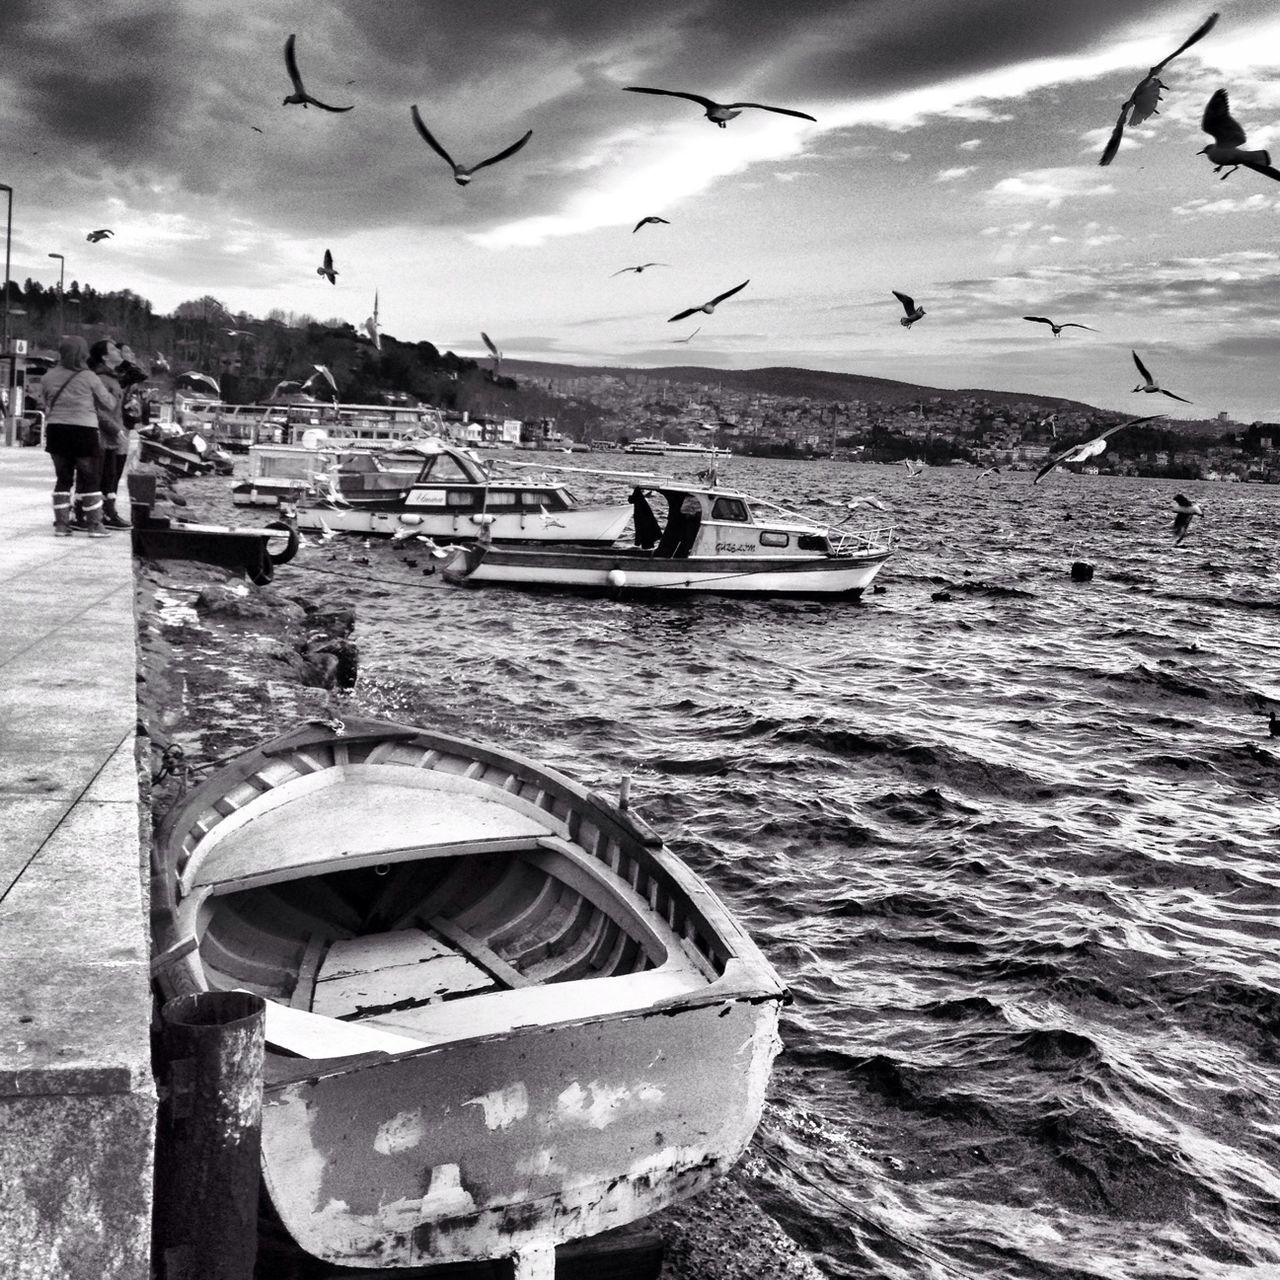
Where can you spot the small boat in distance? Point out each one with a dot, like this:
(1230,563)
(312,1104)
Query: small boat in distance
(445,492)
(713,540)
(501,1014)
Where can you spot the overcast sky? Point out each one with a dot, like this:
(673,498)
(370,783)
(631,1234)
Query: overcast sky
(954,158)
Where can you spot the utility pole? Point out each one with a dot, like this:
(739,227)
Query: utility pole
(62,274)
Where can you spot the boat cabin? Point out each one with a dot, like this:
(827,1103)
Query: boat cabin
(718,522)
(435,475)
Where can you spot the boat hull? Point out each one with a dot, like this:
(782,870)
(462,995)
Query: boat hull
(581,526)
(846,576)
(519,1142)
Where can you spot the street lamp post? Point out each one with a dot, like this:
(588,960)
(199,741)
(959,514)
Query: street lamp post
(7,354)
(62,273)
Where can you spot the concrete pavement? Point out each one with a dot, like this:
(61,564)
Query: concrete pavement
(77,1102)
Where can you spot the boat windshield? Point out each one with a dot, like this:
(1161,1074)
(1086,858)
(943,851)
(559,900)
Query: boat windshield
(445,467)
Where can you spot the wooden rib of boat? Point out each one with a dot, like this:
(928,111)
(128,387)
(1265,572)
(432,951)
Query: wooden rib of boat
(501,1015)
(713,540)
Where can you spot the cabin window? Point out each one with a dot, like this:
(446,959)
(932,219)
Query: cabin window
(730,509)
(444,468)
(814,542)
(498,498)
(771,538)
(459,498)
(536,498)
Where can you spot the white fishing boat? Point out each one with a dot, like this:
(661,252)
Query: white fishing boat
(713,540)
(444,492)
(647,444)
(501,1014)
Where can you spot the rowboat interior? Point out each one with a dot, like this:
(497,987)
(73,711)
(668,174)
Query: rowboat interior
(384,894)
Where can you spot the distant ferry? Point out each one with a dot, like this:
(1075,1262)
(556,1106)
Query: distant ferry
(646,444)
(700,450)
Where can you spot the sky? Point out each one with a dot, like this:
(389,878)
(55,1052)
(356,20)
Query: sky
(954,158)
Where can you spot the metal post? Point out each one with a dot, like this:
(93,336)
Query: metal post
(10,362)
(62,272)
(209,1137)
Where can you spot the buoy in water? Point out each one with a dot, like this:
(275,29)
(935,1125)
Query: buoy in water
(617,579)
(1081,571)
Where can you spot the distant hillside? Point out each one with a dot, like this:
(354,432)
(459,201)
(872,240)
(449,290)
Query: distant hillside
(824,385)
(819,384)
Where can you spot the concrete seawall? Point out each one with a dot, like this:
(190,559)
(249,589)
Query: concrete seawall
(77,1102)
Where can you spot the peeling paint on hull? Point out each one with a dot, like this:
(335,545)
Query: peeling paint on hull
(624,1116)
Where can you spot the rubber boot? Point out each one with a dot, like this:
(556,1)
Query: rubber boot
(77,517)
(62,513)
(92,507)
(111,518)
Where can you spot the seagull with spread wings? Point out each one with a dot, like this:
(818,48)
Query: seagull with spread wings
(1058,328)
(914,313)
(1226,150)
(192,376)
(691,337)
(1149,384)
(1145,99)
(493,350)
(644,222)
(720,113)
(322,371)
(1089,448)
(94,236)
(709,307)
(642,267)
(461,173)
(1184,510)
(371,325)
(326,268)
(300,96)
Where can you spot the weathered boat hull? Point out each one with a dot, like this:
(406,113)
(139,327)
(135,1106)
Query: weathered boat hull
(582,526)
(502,1145)
(501,1015)
(634,572)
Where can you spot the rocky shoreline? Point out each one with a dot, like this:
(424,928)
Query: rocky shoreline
(223,664)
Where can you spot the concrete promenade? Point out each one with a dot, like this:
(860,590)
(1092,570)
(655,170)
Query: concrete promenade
(77,1102)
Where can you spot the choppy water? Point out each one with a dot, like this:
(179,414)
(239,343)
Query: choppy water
(1017,853)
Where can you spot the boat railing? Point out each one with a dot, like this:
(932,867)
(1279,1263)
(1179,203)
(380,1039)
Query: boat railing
(851,542)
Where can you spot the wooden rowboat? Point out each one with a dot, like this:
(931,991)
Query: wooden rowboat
(501,1014)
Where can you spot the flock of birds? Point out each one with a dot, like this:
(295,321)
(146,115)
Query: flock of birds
(1227,153)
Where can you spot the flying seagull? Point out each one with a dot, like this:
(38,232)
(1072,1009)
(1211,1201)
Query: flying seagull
(322,371)
(720,113)
(640,268)
(94,236)
(1228,141)
(326,268)
(1058,328)
(868,501)
(914,468)
(709,307)
(299,95)
(1090,448)
(1149,383)
(461,174)
(192,376)
(990,471)
(1144,100)
(493,351)
(691,337)
(1185,510)
(645,222)
(238,333)
(287,387)
(914,313)
(371,325)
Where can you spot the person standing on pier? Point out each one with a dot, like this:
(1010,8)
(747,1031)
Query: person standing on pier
(104,360)
(71,395)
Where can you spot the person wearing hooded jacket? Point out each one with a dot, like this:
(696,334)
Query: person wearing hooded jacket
(71,396)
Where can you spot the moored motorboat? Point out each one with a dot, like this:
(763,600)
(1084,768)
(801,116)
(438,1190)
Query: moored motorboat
(444,492)
(714,540)
(501,1015)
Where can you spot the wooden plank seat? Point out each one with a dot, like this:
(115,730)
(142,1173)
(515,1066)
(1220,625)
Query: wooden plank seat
(386,972)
